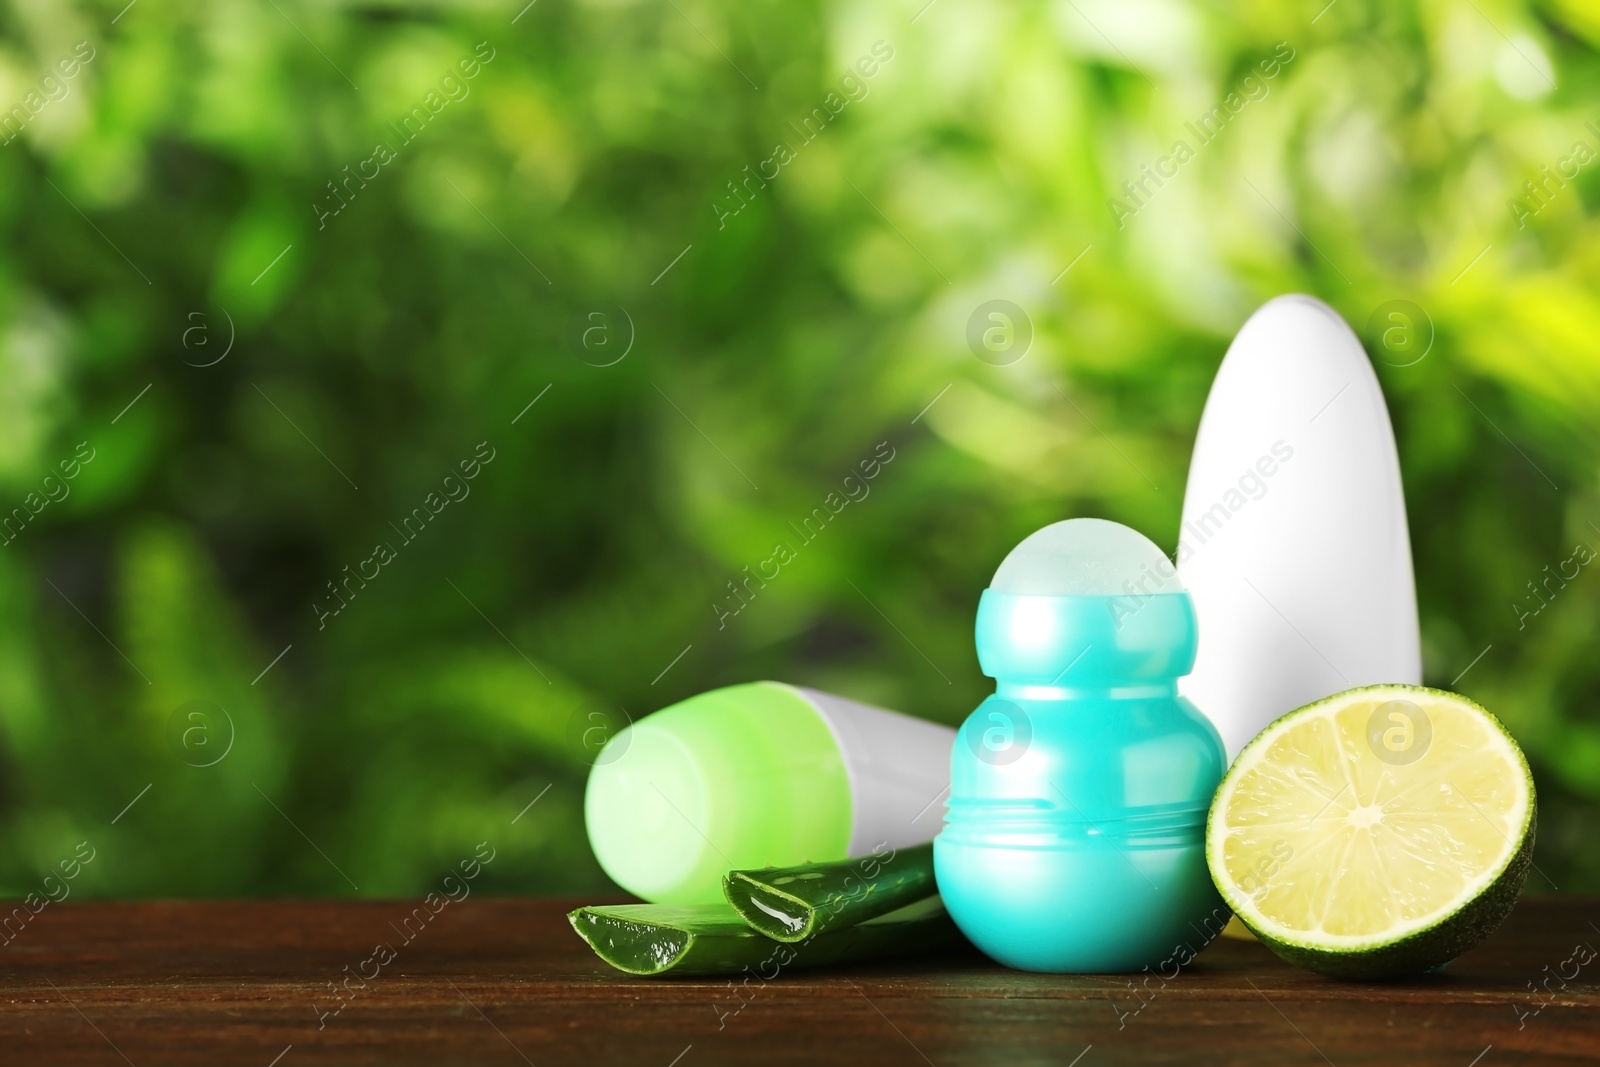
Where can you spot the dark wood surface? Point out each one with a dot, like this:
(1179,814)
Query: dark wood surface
(507,981)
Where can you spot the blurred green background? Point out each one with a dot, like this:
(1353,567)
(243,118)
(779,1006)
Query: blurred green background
(176,193)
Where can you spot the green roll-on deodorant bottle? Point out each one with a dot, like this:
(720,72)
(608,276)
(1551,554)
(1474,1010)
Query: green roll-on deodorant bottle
(756,775)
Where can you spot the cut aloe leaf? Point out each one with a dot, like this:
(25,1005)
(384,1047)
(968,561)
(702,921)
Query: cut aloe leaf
(696,939)
(793,903)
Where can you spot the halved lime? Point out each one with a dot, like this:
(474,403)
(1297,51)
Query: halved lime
(1378,833)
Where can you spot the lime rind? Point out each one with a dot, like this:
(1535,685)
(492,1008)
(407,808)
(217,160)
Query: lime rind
(1424,950)
(1410,946)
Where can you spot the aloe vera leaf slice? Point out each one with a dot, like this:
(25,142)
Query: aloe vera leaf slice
(686,940)
(790,904)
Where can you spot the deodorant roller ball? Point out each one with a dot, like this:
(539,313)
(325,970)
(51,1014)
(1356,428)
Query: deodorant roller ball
(1074,840)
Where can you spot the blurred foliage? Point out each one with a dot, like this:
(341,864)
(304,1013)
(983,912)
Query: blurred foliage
(181,182)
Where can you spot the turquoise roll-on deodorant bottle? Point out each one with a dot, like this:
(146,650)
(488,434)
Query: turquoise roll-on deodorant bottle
(1074,840)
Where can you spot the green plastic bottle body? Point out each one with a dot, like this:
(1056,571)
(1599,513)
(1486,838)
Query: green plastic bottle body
(760,775)
(743,777)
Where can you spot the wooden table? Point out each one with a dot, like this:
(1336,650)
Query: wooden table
(507,981)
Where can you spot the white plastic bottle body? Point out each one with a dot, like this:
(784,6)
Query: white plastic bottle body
(1294,543)
(899,770)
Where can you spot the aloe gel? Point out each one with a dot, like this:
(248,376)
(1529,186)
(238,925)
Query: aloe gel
(699,939)
(793,903)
